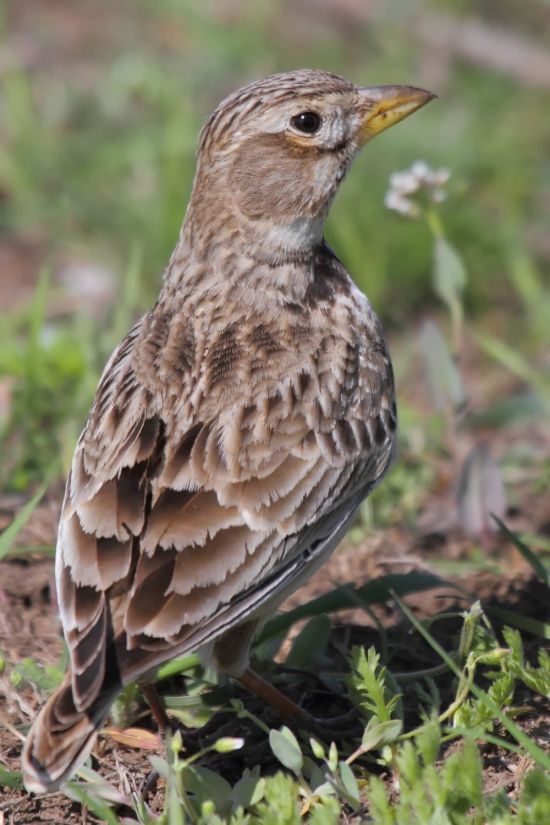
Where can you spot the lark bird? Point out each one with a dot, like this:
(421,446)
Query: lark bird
(239,424)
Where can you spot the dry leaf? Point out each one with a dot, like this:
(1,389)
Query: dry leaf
(135,738)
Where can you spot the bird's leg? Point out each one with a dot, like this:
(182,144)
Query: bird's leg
(191,737)
(335,727)
(158,708)
(163,721)
(285,707)
(327,729)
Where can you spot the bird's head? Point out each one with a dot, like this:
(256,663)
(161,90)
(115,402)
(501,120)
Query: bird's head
(273,153)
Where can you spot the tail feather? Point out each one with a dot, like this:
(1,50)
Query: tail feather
(64,732)
(60,739)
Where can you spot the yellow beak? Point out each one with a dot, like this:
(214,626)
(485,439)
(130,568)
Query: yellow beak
(382,106)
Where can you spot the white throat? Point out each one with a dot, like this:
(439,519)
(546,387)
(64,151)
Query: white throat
(300,234)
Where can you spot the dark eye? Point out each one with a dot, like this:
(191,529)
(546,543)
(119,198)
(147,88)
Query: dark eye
(307,122)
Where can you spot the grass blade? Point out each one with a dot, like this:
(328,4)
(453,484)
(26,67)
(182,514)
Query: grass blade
(534,626)
(516,363)
(176,666)
(10,779)
(530,557)
(343,597)
(9,535)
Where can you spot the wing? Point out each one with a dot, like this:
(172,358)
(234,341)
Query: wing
(177,526)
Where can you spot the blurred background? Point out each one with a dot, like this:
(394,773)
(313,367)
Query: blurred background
(100,108)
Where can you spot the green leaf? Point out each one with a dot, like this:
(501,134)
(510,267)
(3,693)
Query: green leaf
(249,790)
(349,782)
(517,364)
(46,678)
(534,801)
(280,803)
(10,779)
(384,733)
(286,748)
(174,804)
(160,766)
(444,379)
(534,751)
(428,741)
(96,797)
(369,683)
(207,785)
(538,678)
(309,643)
(183,664)
(505,412)
(98,785)
(449,274)
(325,812)
(381,810)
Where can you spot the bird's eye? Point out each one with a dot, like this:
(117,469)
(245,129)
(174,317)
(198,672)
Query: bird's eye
(307,122)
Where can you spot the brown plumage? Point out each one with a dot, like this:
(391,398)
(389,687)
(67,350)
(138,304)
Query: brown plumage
(239,424)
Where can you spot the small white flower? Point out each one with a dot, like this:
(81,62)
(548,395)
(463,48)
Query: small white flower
(419,178)
(405,183)
(405,206)
(420,170)
(440,177)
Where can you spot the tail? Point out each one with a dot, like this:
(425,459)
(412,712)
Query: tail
(60,738)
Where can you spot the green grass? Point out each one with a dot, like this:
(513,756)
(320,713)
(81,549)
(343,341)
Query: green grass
(93,168)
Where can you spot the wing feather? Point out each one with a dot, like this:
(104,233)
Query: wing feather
(176,529)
